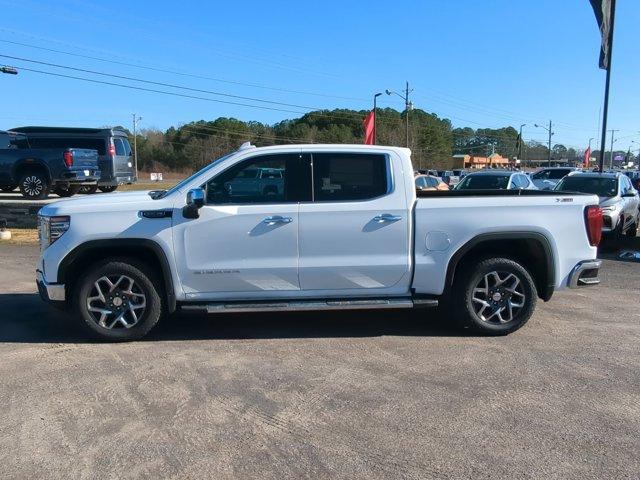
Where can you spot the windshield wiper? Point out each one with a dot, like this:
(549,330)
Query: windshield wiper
(157,194)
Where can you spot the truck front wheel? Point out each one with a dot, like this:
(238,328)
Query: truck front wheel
(494,296)
(117,300)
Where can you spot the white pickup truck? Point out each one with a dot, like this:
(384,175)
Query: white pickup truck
(342,229)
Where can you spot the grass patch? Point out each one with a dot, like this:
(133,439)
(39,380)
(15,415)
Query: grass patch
(22,236)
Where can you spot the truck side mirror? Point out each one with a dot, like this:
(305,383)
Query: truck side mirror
(195,201)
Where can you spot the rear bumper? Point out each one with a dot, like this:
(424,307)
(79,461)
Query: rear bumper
(585,274)
(120,179)
(87,176)
(50,292)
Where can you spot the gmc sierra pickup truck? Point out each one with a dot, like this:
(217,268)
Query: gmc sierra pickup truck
(343,229)
(39,171)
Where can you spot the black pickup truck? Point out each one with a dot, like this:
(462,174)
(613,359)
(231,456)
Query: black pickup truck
(39,171)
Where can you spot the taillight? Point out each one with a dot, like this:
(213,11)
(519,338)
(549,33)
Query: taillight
(593,221)
(112,150)
(68,158)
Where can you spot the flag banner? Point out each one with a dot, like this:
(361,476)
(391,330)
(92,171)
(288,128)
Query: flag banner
(602,9)
(587,156)
(369,130)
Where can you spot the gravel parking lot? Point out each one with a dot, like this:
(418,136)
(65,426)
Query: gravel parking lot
(316,395)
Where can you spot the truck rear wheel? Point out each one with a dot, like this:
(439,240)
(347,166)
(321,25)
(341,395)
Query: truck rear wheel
(34,185)
(117,300)
(66,191)
(88,189)
(494,296)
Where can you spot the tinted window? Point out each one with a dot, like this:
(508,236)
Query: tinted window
(421,182)
(432,182)
(558,174)
(89,143)
(348,176)
(127,147)
(603,187)
(119,144)
(484,182)
(516,182)
(264,179)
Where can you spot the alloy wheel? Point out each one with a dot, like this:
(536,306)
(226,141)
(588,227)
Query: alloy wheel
(498,297)
(116,301)
(33,186)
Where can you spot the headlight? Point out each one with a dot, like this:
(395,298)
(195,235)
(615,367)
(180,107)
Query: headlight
(51,229)
(611,208)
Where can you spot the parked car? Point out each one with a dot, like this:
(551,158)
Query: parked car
(39,171)
(496,180)
(634,176)
(348,232)
(115,155)
(429,182)
(547,178)
(618,199)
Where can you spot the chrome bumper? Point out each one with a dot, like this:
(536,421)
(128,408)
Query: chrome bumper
(585,274)
(50,292)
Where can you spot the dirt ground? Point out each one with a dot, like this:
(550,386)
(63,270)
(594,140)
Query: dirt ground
(316,395)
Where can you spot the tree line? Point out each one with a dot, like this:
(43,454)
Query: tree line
(432,139)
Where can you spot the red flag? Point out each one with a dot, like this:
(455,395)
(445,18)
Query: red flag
(587,156)
(369,128)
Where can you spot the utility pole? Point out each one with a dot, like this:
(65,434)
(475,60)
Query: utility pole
(375,118)
(613,132)
(520,144)
(136,120)
(407,107)
(550,131)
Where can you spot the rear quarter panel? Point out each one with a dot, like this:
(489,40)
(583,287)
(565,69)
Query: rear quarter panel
(444,225)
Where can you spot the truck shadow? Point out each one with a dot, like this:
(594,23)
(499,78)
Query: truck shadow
(609,250)
(24,318)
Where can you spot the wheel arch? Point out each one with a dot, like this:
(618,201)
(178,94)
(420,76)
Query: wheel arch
(140,248)
(531,249)
(30,164)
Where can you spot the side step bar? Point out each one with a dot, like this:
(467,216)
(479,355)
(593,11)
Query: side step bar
(305,305)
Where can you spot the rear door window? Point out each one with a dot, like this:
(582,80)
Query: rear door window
(119,144)
(340,177)
(127,146)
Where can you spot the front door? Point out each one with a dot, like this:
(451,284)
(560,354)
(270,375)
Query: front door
(355,235)
(245,243)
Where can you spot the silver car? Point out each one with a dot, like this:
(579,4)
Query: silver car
(618,199)
(547,178)
(495,180)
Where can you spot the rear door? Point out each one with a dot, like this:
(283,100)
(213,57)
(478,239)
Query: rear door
(354,235)
(123,159)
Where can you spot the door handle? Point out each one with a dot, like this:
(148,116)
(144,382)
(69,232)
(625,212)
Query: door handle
(275,219)
(386,217)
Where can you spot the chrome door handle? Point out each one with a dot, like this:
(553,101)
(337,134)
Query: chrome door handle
(386,217)
(277,219)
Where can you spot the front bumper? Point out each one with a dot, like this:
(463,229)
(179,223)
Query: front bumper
(50,292)
(585,274)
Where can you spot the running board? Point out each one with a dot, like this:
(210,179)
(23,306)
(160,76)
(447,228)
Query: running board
(304,305)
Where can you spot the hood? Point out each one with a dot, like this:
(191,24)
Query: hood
(608,201)
(112,202)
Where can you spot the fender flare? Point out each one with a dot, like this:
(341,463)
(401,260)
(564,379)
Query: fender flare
(517,235)
(68,261)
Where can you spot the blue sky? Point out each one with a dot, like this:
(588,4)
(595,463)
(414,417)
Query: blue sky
(479,63)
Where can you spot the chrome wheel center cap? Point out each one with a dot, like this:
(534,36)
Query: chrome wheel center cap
(117,301)
(496,297)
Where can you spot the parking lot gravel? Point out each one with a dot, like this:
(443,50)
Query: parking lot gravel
(318,395)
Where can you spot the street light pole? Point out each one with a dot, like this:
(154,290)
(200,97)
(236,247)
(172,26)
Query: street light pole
(613,132)
(375,118)
(550,133)
(407,107)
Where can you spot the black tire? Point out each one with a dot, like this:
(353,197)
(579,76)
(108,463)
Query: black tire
(467,295)
(66,191)
(632,231)
(8,188)
(108,189)
(117,300)
(88,189)
(34,185)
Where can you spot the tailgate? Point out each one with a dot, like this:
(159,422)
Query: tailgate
(83,157)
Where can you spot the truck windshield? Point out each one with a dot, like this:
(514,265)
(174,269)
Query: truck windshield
(603,187)
(484,182)
(163,193)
